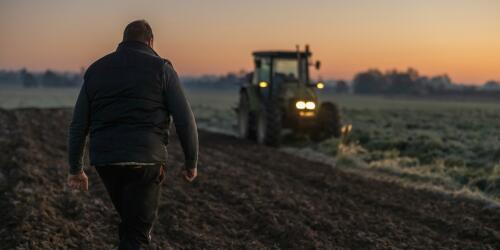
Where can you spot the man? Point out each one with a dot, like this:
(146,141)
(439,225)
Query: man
(125,106)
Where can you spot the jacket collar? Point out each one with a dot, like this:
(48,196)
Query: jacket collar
(137,46)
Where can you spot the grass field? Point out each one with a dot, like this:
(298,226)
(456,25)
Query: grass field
(450,144)
(447,143)
(454,145)
(16,97)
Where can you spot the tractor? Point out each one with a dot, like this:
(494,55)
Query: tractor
(279,95)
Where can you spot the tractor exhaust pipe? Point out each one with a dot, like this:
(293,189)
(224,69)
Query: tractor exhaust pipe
(297,48)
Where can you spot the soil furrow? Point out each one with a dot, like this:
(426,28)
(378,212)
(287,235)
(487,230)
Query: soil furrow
(246,197)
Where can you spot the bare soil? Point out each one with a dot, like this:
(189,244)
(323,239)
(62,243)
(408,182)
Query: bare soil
(246,197)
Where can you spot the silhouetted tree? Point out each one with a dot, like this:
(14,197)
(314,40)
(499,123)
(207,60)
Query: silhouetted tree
(491,85)
(341,87)
(28,79)
(370,82)
(51,79)
(403,82)
(440,83)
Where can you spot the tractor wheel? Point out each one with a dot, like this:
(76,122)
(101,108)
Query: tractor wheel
(328,122)
(246,119)
(269,125)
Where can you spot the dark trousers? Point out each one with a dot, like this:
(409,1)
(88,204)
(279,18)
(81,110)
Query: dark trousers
(135,193)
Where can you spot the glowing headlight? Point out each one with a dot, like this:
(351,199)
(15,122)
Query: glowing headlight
(310,105)
(263,84)
(320,85)
(300,105)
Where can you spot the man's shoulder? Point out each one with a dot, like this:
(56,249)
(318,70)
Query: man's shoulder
(168,62)
(168,67)
(154,61)
(100,62)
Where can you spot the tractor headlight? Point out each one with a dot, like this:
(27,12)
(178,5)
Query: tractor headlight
(300,105)
(310,105)
(305,105)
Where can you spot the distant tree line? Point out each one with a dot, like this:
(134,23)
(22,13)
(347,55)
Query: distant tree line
(229,81)
(48,78)
(409,82)
(51,78)
(372,81)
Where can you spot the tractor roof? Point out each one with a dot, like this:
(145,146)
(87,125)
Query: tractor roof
(281,54)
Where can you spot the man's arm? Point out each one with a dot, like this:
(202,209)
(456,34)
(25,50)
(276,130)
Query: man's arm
(78,132)
(184,121)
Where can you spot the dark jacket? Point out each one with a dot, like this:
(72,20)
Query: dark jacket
(125,105)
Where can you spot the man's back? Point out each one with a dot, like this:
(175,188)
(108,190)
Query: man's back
(129,118)
(126,102)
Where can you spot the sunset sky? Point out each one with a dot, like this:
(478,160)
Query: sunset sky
(458,37)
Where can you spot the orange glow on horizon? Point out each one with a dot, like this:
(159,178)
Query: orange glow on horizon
(458,37)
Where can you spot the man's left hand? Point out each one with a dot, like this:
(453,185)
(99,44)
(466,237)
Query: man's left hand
(190,174)
(78,181)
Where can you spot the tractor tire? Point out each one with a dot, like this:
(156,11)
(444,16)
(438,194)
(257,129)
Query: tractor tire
(328,123)
(246,119)
(269,125)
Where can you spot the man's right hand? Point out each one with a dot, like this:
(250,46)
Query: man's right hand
(190,174)
(78,181)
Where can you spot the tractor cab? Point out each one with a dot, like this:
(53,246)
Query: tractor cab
(280,95)
(278,71)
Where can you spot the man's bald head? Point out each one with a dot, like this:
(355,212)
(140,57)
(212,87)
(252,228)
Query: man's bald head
(139,30)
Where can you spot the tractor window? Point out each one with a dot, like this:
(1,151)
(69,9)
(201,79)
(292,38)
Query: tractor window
(263,71)
(286,70)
